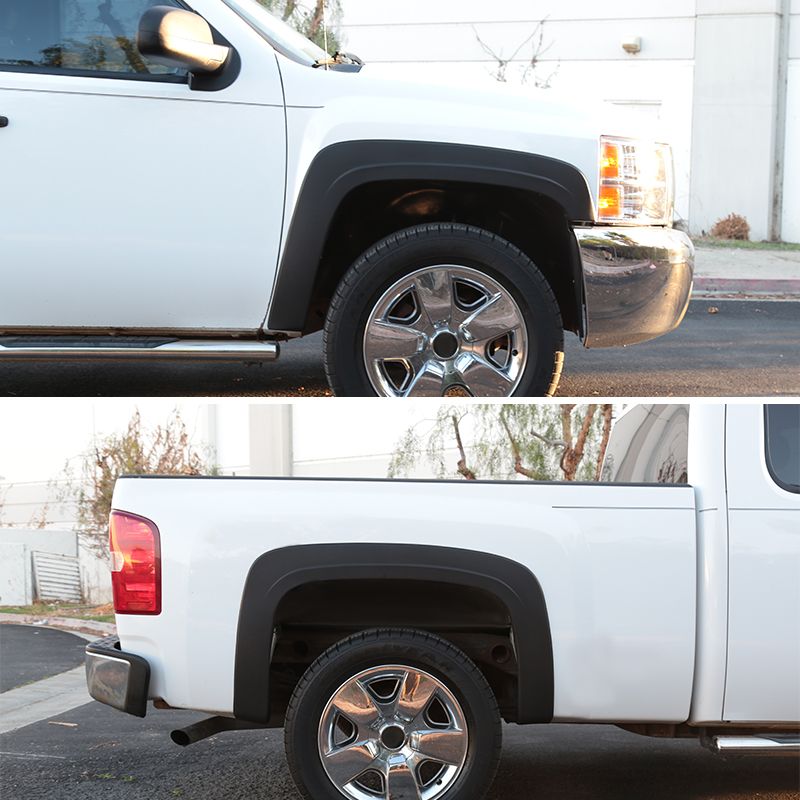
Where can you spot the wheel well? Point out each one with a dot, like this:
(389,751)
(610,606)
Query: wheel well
(314,616)
(532,222)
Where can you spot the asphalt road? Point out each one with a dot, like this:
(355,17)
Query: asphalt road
(28,654)
(747,348)
(108,756)
(94,751)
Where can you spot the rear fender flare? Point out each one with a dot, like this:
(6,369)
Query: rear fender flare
(276,573)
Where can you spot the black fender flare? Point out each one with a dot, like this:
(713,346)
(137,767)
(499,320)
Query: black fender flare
(277,572)
(341,168)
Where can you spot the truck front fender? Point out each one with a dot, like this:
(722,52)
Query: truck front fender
(342,168)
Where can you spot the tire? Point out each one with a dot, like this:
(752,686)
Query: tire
(446,694)
(390,330)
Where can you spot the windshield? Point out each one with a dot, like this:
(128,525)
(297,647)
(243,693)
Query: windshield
(281,36)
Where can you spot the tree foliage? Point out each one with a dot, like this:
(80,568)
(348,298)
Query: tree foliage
(309,19)
(501,442)
(164,450)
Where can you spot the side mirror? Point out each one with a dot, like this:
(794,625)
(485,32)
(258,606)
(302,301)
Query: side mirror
(177,38)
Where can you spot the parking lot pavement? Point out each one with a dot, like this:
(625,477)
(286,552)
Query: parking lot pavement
(29,653)
(96,752)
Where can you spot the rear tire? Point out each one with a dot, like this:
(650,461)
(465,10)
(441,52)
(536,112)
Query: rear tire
(393,713)
(444,309)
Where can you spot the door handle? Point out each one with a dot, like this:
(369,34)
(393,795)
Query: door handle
(3,122)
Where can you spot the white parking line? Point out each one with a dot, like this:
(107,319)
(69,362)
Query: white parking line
(43,699)
(29,756)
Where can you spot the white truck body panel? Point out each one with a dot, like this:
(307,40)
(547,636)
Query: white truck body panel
(707,458)
(196,176)
(763,679)
(326,108)
(211,178)
(605,556)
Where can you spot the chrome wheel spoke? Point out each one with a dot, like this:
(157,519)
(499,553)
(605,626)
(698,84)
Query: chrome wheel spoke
(427,382)
(393,731)
(401,783)
(499,315)
(434,290)
(484,379)
(446,746)
(445,330)
(391,340)
(356,704)
(416,692)
(345,764)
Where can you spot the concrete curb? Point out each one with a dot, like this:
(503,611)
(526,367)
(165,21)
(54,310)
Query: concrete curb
(749,287)
(71,624)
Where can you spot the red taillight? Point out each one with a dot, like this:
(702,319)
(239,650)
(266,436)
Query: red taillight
(135,564)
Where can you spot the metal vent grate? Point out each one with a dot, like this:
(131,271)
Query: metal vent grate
(56,577)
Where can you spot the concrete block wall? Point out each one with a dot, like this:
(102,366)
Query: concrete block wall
(16,564)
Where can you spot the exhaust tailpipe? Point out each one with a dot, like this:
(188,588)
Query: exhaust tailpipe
(209,727)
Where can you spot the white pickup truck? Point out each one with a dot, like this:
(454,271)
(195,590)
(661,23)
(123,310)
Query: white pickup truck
(391,625)
(200,181)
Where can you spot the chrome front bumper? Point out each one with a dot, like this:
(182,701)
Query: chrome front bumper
(120,680)
(637,281)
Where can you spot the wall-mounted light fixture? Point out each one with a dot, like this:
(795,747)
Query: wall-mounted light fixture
(632,45)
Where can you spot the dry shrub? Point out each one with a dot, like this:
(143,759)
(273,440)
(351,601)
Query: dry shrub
(165,450)
(734,226)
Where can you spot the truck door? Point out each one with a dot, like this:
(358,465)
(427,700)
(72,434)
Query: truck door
(763,471)
(130,199)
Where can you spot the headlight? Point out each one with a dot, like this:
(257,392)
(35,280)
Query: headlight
(636,182)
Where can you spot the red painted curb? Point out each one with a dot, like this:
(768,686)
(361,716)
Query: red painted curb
(776,286)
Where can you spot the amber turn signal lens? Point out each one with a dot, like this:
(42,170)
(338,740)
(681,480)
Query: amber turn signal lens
(610,205)
(609,161)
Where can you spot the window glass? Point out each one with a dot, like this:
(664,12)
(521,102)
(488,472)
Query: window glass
(85,35)
(783,445)
(649,444)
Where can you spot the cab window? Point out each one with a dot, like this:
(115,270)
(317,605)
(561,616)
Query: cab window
(96,37)
(782,433)
(649,444)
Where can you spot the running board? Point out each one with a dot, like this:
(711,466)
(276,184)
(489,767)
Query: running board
(57,348)
(775,744)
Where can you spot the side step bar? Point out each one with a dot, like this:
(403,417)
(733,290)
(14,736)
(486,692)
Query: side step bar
(57,348)
(775,744)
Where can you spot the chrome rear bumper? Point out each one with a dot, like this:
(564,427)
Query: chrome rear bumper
(637,281)
(118,679)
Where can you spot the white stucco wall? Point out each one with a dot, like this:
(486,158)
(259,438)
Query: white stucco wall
(15,574)
(791,181)
(438,40)
(719,72)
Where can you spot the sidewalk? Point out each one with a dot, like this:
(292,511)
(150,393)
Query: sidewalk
(71,624)
(750,273)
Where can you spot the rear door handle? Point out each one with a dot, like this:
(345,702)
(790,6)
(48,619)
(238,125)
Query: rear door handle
(3,122)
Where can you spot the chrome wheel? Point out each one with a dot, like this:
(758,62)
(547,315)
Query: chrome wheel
(445,331)
(393,732)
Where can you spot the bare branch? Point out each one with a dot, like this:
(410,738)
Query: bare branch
(549,442)
(573,454)
(606,410)
(291,5)
(463,469)
(518,468)
(317,18)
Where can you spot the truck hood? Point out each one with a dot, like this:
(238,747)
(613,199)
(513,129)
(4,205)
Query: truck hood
(366,105)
